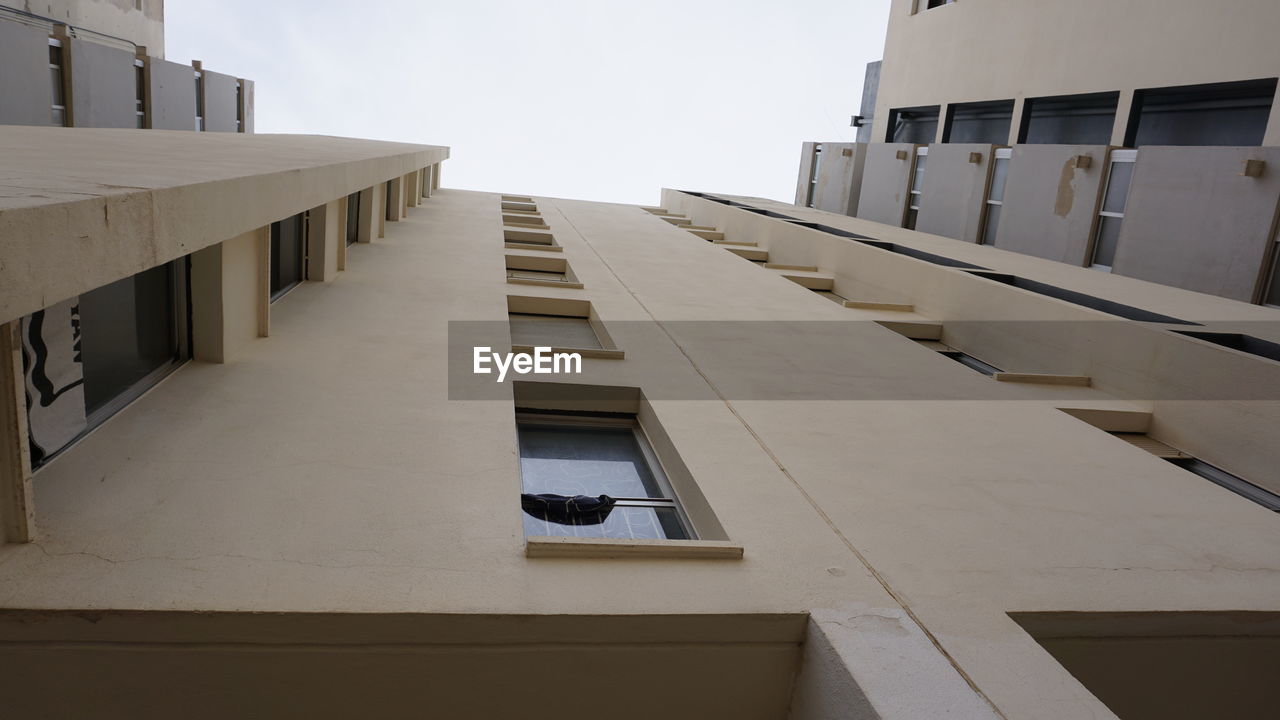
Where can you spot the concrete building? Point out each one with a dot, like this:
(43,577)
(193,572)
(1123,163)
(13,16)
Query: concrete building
(100,63)
(1126,137)
(248,466)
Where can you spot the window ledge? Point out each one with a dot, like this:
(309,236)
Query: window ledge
(1043,379)
(532,246)
(545,283)
(546,546)
(598,353)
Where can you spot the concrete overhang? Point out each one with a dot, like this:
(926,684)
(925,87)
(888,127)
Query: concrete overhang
(83,207)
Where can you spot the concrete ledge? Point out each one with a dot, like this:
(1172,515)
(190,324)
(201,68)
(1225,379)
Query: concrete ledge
(797,268)
(675,220)
(597,353)
(914,330)
(749,253)
(541,546)
(532,246)
(706,234)
(545,283)
(872,305)
(1043,379)
(736,243)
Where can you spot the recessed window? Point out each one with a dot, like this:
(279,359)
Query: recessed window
(288,254)
(832,296)
(239,106)
(57,82)
(913,125)
(540,270)
(140,92)
(533,220)
(594,476)
(86,358)
(931,4)
(559,323)
(1229,113)
(528,236)
(917,185)
(978,122)
(199,100)
(815,169)
(353,218)
(1106,239)
(995,194)
(1085,119)
(963,358)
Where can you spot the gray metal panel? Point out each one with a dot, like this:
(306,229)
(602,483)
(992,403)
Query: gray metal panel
(25,94)
(219,102)
(840,177)
(247,90)
(173,96)
(1049,203)
(870,89)
(103,86)
(883,197)
(954,191)
(1194,221)
(806,170)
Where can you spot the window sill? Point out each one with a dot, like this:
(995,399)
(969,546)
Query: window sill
(544,546)
(532,246)
(545,283)
(1043,379)
(598,353)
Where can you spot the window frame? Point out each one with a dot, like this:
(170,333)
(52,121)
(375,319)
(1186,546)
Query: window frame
(1126,155)
(911,214)
(58,111)
(669,500)
(199,79)
(140,92)
(988,227)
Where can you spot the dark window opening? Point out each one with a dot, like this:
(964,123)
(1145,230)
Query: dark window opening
(1110,307)
(979,122)
(57,85)
(1069,119)
(971,362)
(393,212)
(913,125)
(288,254)
(353,218)
(1238,341)
(1231,113)
(140,94)
(199,102)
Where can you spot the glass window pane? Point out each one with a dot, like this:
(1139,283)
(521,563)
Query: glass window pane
(549,331)
(584,461)
(1108,239)
(1118,187)
(127,331)
(55,82)
(59,118)
(910,222)
(286,254)
(626,523)
(353,218)
(993,224)
(999,174)
(536,275)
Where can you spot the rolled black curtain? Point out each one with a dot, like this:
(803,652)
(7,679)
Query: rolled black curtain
(568,509)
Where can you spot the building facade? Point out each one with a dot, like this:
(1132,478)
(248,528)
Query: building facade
(255,459)
(96,63)
(1058,130)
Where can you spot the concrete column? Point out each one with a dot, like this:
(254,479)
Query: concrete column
(435,176)
(1124,104)
(405,194)
(394,207)
(224,297)
(263,304)
(413,194)
(368,218)
(942,121)
(1015,123)
(17,505)
(428,184)
(324,237)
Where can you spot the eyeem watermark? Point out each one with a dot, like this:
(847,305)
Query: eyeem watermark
(539,362)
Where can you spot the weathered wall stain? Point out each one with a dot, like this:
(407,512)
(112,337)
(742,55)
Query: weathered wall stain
(1066,190)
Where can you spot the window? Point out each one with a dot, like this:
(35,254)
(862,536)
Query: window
(199,101)
(57,83)
(392,191)
(913,125)
(86,358)
(559,331)
(353,218)
(995,195)
(815,168)
(565,456)
(965,359)
(531,237)
(1085,119)
(832,296)
(978,122)
(1229,113)
(1106,238)
(1237,485)
(540,270)
(917,182)
(288,254)
(930,4)
(140,92)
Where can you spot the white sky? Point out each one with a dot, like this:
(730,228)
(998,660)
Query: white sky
(589,99)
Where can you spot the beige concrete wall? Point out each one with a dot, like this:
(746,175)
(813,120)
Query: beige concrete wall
(1193,220)
(883,197)
(324,237)
(1051,202)
(839,178)
(954,191)
(976,50)
(120,18)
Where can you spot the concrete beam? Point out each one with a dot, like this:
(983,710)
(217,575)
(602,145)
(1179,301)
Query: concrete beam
(17,507)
